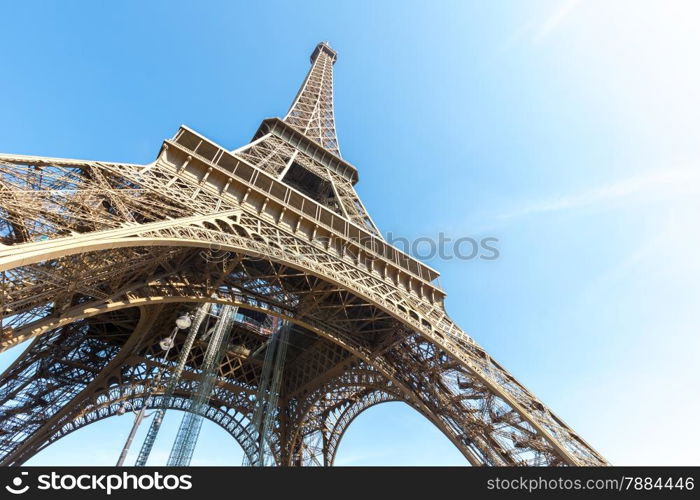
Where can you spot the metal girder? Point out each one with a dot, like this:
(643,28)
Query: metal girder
(85,246)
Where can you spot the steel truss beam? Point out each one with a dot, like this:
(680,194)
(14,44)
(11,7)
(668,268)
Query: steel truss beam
(97,258)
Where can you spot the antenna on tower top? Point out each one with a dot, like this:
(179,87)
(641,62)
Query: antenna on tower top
(326,47)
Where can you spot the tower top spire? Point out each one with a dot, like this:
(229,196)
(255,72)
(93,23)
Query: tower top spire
(325,47)
(312,110)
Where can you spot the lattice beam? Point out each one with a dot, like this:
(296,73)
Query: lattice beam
(91,252)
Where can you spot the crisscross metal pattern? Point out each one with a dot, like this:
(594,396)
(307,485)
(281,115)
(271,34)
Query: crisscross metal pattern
(98,258)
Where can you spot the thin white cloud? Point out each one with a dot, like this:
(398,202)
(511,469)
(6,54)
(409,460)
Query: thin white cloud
(554,20)
(655,185)
(533,30)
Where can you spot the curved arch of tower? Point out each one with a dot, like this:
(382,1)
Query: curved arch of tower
(98,259)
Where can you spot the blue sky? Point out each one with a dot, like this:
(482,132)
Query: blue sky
(566,129)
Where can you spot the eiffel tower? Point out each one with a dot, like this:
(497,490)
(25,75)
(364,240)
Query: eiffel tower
(99,259)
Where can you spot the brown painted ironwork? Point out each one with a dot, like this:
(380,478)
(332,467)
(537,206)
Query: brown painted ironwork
(99,258)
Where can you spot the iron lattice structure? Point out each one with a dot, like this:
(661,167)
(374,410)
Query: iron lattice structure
(99,258)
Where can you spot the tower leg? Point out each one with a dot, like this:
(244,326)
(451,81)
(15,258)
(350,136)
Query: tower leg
(40,392)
